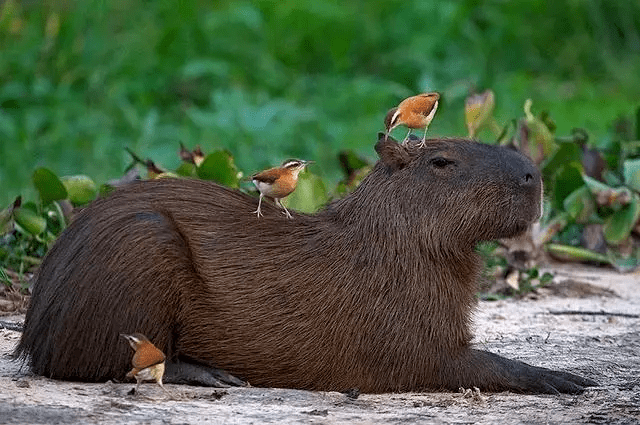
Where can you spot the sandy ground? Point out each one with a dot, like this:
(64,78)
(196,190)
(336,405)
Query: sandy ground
(604,347)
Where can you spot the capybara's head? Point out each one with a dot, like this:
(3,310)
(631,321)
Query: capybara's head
(456,190)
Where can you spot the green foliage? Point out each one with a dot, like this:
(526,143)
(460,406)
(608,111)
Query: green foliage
(564,182)
(609,198)
(531,279)
(219,167)
(592,193)
(80,189)
(267,80)
(618,226)
(28,229)
(310,194)
(48,185)
(29,220)
(580,204)
(256,82)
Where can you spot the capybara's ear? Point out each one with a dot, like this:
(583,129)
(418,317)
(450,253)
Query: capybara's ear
(391,152)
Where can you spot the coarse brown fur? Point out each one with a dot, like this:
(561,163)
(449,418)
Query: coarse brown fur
(375,291)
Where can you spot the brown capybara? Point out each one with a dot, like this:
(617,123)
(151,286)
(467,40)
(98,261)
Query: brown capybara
(375,291)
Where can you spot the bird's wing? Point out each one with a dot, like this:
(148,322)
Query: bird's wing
(148,357)
(429,106)
(267,176)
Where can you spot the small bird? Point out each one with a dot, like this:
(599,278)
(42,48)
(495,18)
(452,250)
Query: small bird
(413,112)
(148,361)
(278,182)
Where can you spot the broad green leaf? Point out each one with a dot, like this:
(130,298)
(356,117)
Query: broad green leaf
(219,167)
(81,189)
(478,108)
(632,174)
(566,153)
(618,226)
(580,204)
(567,179)
(48,185)
(310,194)
(30,220)
(187,169)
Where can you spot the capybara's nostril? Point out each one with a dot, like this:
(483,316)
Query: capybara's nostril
(528,179)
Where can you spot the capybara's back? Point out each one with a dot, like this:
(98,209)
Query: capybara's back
(374,291)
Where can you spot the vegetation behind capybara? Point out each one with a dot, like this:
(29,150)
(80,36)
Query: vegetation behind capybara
(375,291)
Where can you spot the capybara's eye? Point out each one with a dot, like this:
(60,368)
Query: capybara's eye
(441,162)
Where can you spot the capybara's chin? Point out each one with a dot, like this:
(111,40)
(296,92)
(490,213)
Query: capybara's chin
(375,291)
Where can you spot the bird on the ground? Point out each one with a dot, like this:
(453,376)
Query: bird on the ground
(278,182)
(148,361)
(414,112)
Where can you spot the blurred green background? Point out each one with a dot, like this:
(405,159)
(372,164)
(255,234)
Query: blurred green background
(270,80)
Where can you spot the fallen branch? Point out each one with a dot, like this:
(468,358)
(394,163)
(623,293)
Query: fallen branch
(594,313)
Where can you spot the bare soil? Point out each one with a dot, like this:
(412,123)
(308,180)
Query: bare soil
(587,323)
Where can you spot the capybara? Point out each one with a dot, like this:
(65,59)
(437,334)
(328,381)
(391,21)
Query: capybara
(375,291)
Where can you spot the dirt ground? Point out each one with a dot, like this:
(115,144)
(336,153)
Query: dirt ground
(542,329)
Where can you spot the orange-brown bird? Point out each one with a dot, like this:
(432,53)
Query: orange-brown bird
(148,361)
(413,112)
(278,182)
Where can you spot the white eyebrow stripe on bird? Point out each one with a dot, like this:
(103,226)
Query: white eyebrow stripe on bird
(394,118)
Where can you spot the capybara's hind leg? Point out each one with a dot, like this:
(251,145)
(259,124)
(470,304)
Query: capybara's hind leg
(196,374)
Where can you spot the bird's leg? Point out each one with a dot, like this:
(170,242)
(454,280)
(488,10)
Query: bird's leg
(169,393)
(286,211)
(406,139)
(423,143)
(258,212)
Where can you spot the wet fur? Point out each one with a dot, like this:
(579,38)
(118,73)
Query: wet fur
(375,291)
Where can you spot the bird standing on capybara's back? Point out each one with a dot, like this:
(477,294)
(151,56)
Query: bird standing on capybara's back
(375,291)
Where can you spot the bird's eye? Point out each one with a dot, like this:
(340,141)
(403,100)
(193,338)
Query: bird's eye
(441,162)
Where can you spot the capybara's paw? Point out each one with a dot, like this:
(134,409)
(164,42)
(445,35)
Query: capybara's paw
(517,376)
(547,381)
